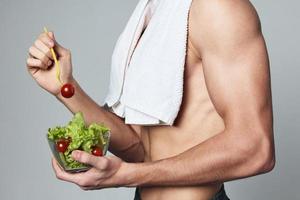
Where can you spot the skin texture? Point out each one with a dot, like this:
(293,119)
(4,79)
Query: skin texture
(223,132)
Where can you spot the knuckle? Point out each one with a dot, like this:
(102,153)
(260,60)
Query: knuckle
(36,43)
(28,62)
(39,63)
(48,53)
(30,49)
(84,158)
(44,38)
(98,164)
(59,176)
(103,164)
(45,59)
(83,183)
(47,40)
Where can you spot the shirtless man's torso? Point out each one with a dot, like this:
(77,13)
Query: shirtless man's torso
(197,121)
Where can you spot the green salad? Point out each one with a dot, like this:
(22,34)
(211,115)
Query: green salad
(77,136)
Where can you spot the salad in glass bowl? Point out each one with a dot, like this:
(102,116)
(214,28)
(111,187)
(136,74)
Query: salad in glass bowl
(62,140)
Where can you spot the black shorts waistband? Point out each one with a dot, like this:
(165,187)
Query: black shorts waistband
(220,195)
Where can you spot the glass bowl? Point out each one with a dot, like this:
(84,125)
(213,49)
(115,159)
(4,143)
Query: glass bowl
(61,158)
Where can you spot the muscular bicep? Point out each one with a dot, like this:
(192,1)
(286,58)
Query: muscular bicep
(239,84)
(235,63)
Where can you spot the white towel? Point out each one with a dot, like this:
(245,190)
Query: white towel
(146,80)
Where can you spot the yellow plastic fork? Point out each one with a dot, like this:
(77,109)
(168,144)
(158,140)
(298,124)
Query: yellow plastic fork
(57,66)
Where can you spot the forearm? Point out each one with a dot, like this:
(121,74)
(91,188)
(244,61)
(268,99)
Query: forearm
(124,141)
(225,157)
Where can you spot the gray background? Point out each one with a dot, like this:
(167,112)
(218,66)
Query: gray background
(90,29)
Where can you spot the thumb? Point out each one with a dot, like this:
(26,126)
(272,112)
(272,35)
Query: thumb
(51,35)
(100,163)
(60,50)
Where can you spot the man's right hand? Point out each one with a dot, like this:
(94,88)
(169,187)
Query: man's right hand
(41,66)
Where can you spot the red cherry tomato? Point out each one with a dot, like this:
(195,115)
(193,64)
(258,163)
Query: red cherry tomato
(96,151)
(62,145)
(67,90)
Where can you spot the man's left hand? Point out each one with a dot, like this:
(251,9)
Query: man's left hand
(106,171)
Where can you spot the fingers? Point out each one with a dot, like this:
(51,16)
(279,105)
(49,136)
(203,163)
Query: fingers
(38,54)
(40,50)
(101,163)
(39,44)
(62,175)
(34,63)
(99,176)
(84,180)
(60,50)
(44,43)
(47,40)
(51,35)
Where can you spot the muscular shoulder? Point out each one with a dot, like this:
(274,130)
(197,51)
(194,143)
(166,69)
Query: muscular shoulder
(222,22)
